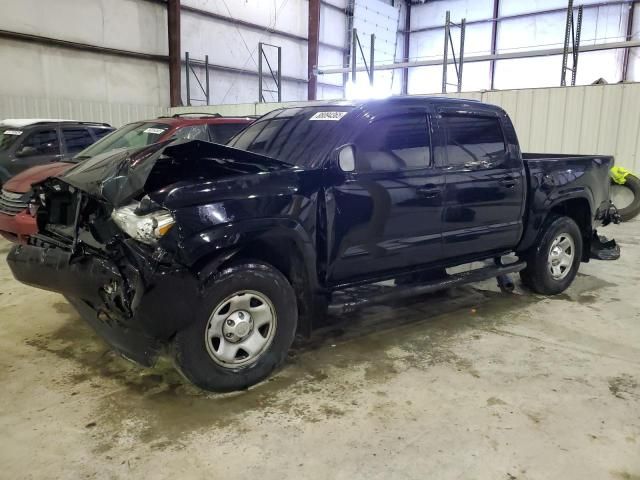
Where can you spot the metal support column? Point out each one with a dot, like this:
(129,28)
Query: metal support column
(629,36)
(371,58)
(571,35)
(189,71)
(494,43)
(312,49)
(173,32)
(576,47)
(276,76)
(445,56)
(206,77)
(461,59)
(357,46)
(406,48)
(354,56)
(186,74)
(457,63)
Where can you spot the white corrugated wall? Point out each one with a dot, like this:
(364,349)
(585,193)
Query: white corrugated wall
(602,119)
(115,114)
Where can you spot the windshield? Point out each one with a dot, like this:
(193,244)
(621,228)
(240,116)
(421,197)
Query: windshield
(8,136)
(129,136)
(294,135)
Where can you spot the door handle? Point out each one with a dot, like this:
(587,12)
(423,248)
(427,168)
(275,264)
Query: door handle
(509,182)
(428,191)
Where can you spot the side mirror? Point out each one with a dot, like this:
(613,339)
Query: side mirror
(26,151)
(347,158)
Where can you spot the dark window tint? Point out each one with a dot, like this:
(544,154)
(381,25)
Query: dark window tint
(196,132)
(223,133)
(473,140)
(395,143)
(101,132)
(76,139)
(43,142)
(297,136)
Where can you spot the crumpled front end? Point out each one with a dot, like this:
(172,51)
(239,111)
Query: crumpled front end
(108,238)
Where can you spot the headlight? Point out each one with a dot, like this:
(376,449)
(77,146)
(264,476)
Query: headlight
(147,228)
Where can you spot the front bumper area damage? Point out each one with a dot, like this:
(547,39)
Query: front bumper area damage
(124,300)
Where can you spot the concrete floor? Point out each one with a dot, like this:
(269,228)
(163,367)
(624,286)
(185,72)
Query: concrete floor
(469,383)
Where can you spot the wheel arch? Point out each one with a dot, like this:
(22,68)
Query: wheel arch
(579,210)
(287,249)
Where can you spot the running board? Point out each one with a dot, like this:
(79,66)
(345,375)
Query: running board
(353,298)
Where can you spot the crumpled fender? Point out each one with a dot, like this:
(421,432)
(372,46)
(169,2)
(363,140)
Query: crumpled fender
(224,241)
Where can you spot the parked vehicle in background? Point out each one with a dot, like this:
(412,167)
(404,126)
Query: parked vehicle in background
(15,221)
(221,254)
(25,143)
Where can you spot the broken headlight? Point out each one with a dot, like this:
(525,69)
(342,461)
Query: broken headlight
(146,228)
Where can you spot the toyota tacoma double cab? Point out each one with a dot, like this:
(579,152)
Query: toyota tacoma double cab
(219,255)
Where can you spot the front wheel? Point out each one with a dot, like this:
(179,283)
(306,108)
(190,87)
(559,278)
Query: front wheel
(242,331)
(553,264)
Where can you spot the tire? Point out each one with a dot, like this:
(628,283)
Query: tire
(202,351)
(630,211)
(538,275)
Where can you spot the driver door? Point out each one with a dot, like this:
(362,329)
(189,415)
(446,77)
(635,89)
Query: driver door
(385,216)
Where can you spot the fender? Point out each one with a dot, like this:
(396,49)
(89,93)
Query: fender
(542,208)
(223,242)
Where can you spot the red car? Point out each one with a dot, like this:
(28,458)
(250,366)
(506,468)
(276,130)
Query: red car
(16,223)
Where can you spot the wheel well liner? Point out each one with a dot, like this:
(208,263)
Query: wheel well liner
(579,210)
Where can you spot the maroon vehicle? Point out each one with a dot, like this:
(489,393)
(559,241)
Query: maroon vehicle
(17,223)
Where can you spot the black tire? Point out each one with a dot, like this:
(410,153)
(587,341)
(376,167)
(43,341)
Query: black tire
(633,209)
(191,354)
(537,276)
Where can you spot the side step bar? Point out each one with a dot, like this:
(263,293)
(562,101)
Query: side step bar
(354,298)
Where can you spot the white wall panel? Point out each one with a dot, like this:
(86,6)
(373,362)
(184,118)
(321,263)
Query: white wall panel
(53,72)
(432,14)
(136,25)
(116,114)
(286,15)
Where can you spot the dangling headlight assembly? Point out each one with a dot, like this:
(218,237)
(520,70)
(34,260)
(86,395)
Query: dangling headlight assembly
(146,228)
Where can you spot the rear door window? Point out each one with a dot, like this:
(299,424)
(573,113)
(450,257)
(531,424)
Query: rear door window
(474,140)
(77,139)
(394,144)
(195,132)
(43,142)
(222,133)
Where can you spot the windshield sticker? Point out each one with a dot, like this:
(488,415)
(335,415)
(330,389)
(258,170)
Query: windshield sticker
(13,132)
(154,131)
(330,116)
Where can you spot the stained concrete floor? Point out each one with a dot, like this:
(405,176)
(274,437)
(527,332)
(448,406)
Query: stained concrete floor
(469,383)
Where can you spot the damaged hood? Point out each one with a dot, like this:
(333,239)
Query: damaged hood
(118,176)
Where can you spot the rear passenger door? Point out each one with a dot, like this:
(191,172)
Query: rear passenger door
(484,191)
(76,139)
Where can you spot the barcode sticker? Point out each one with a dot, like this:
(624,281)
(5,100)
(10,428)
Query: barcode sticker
(13,132)
(154,131)
(330,116)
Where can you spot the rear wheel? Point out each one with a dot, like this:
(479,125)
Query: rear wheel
(243,330)
(553,264)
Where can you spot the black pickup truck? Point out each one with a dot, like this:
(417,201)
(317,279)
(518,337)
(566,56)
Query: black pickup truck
(221,254)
